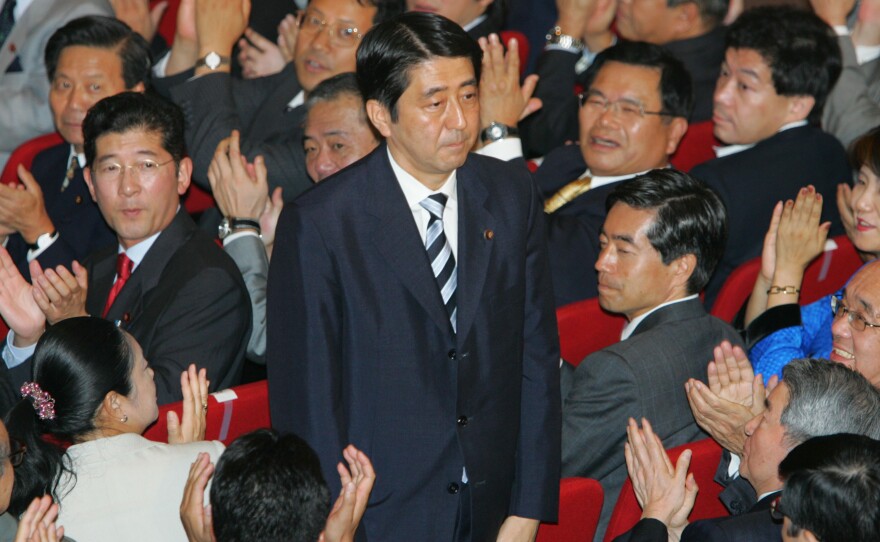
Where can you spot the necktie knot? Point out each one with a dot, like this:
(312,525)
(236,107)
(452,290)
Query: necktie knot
(435,204)
(124,265)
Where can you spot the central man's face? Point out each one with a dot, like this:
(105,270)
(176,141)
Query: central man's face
(438,118)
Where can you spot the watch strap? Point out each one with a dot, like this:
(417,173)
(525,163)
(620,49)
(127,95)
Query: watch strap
(557,38)
(212,61)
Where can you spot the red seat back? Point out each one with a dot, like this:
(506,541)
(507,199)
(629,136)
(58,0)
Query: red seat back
(24,154)
(585,328)
(231,413)
(695,147)
(704,463)
(523,42)
(168,24)
(825,275)
(580,504)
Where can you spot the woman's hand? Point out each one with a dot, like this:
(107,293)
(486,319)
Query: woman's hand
(194,385)
(37,524)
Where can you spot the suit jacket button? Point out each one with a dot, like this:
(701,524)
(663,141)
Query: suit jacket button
(452,488)
(452,354)
(462,420)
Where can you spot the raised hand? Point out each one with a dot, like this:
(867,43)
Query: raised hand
(138,15)
(258,56)
(37,524)
(17,305)
(269,219)
(23,209)
(288,30)
(502,98)
(191,428)
(240,188)
(357,483)
(59,293)
(195,516)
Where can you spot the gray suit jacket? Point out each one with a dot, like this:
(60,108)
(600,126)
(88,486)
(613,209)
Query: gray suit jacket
(24,86)
(249,255)
(641,376)
(853,107)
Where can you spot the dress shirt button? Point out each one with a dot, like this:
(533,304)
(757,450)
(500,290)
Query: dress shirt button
(452,354)
(462,420)
(452,488)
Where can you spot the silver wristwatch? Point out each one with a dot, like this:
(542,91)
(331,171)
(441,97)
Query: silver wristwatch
(556,37)
(212,61)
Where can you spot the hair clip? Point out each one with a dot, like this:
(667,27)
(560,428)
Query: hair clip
(44,404)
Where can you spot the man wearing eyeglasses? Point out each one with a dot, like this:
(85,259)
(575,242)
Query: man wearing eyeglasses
(267,111)
(633,115)
(165,282)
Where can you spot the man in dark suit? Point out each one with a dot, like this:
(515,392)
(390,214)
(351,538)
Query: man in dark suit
(55,219)
(779,66)
(814,398)
(663,236)
(166,283)
(479,18)
(633,115)
(267,111)
(691,31)
(410,308)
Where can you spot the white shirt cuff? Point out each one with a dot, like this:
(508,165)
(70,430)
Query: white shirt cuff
(34,254)
(13,356)
(503,149)
(841,30)
(161,65)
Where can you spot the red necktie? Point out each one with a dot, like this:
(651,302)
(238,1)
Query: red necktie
(124,266)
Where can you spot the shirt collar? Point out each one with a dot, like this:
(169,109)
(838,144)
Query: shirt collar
(473,24)
(727,150)
(139,251)
(634,323)
(867,53)
(415,192)
(297,100)
(599,180)
(80,157)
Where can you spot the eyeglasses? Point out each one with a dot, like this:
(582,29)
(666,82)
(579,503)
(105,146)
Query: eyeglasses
(624,108)
(16,456)
(341,34)
(856,321)
(146,170)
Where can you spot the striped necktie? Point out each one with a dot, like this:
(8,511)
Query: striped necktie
(7,19)
(440,253)
(567,193)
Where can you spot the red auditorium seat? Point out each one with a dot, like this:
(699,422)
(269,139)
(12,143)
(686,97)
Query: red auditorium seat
(24,154)
(585,328)
(825,275)
(580,504)
(231,413)
(169,21)
(695,147)
(704,463)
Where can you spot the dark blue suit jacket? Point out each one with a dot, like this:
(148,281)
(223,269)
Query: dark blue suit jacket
(81,228)
(360,348)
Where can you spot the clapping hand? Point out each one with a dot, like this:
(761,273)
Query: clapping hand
(191,428)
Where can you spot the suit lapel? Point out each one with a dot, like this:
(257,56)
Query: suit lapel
(474,244)
(128,304)
(396,237)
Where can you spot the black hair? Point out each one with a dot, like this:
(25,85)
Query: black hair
(77,361)
(832,488)
(390,50)
(103,33)
(269,486)
(711,11)
(676,87)
(798,47)
(333,88)
(865,151)
(690,218)
(135,111)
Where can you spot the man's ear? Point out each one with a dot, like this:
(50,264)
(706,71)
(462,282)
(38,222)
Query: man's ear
(675,130)
(687,15)
(799,108)
(379,116)
(684,268)
(140,87)
(87,175)
(184,175)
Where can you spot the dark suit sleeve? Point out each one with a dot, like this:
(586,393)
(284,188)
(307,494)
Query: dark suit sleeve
(214,105)
(646,530)
(603,395)
(304,339)
(557,120)
(536,485)
(705,531)
(209,318)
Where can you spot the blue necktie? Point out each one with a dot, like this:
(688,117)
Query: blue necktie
(440,253)
(7,19)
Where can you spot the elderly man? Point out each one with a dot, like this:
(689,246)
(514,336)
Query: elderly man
(410,311)
(814,398)
(267,111)
(165,282)
(691,31)
(779,67)
(632,116)
(661,240)
(54,219)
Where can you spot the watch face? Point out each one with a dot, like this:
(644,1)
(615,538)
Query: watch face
(212,60)
(496,132)
(223,229)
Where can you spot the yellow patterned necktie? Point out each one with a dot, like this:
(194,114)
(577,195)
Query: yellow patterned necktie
(567,193)
(71,169)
